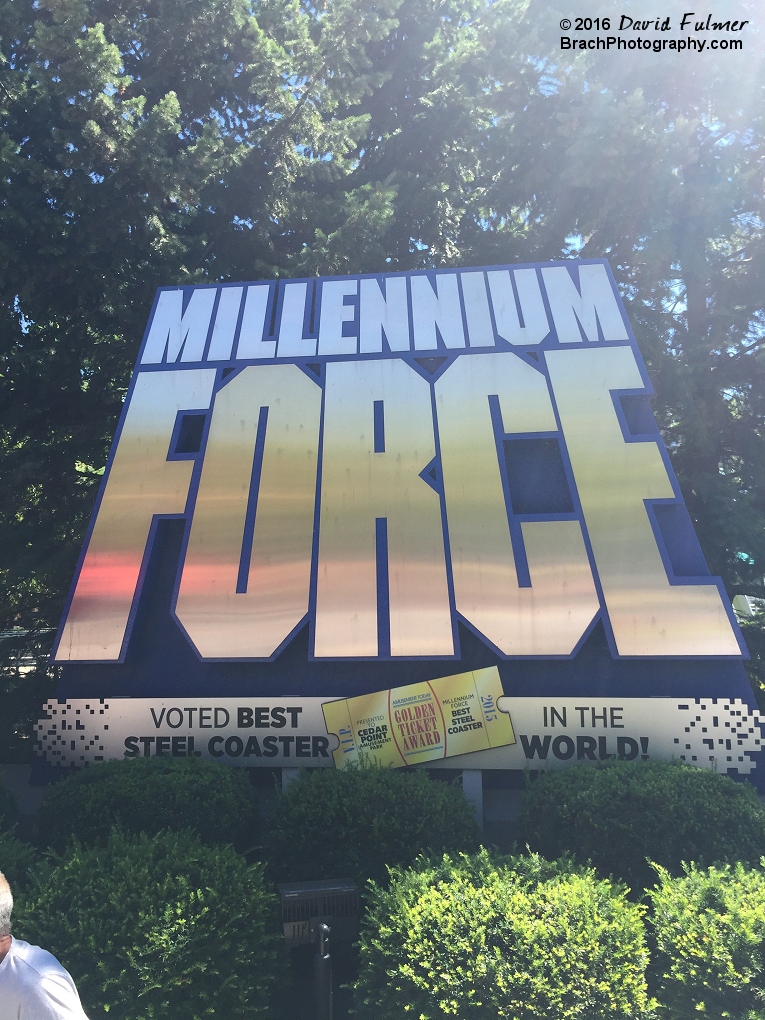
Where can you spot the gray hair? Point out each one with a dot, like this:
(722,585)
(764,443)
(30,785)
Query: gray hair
(6,906)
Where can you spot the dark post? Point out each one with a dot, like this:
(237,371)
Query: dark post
(323,974)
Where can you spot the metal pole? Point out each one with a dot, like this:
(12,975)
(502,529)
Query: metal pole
(323,975)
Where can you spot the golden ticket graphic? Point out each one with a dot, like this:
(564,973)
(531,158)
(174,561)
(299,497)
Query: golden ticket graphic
(421,722)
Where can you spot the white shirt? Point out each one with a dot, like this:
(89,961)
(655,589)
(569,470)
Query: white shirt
(34,986)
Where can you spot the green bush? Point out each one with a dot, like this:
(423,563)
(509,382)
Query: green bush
(617,814)
(9,811)
(522,939)
(17,859)
(353,822)
(149,795)
(709,932)
(158,928)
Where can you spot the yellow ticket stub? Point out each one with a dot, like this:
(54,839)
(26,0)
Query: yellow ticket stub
(421,722)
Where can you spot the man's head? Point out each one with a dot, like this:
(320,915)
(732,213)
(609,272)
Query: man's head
(6,906)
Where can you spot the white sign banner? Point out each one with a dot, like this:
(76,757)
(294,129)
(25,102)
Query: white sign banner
(710,733)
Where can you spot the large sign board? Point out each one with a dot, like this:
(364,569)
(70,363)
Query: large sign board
(344,488)
(539,733)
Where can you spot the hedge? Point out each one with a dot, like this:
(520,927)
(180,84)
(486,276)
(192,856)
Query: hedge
(709,933)
(618,814)
(9,811)
(17,860)
(469,940)
(16,857)
(158,928)
(149,795)
(354,822)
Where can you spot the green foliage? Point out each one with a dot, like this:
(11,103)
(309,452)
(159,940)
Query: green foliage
(16,857)
(17,860)
(148,795)
(360,136)
(22,692)
(354,822)
(709,931)
(158,928)
(521,939)
(617,814)
(9,810)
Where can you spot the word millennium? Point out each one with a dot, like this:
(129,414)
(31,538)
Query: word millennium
(387,456)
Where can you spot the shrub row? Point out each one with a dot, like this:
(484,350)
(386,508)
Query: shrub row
(620,815)
(328,824)
(155,927)
(144,890)
(8,809)
(526,940)
(149,795)
(17,859)
(164,927)
(709,934)
(145,899)
(358,822)
(355,823)
(470,940)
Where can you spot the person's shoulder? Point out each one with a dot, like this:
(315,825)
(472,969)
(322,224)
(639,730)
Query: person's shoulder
(36,959)
(43,983)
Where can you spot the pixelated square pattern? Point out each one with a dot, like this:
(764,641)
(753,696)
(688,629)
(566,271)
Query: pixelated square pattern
(719,734)
(73,732)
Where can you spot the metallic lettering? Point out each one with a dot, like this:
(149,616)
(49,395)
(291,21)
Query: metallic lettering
(222,622)
(141,483)
(550,617)
(649,616)
(359,486)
